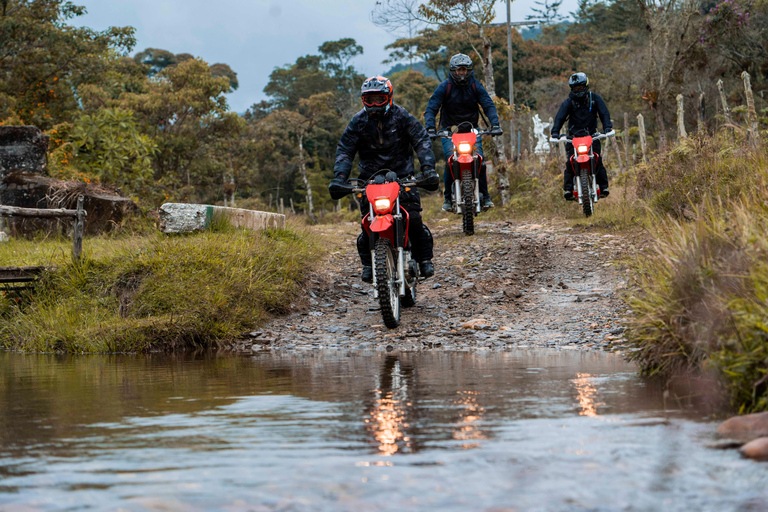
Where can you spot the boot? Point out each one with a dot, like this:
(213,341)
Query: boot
(426,269)
(367,274)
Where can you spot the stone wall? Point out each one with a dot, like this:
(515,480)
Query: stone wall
(22,148)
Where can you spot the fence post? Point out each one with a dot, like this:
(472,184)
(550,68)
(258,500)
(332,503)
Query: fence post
(626,138)
(282,206)
(293,210)
(726,110)
(77,235)
(641,127)
(615,145)
(681,134)
(751,114)
(701,128)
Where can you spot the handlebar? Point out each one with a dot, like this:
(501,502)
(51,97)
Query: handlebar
(595,137)
(447,133)
(349,188)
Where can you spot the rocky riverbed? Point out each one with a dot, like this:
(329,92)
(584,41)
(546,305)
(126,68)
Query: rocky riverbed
(511,285)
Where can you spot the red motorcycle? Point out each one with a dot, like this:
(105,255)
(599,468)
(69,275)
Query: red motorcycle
(464,165)
(584,162)
(395,272)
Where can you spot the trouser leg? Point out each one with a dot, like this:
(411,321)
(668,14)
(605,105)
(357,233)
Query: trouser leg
(483,177)
(568,172)
(422,243)
(447,179)
(364,248)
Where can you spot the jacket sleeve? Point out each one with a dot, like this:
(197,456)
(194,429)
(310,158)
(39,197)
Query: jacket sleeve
(485,101)
(433,107)
(346,150)
(560,118)
(420,142)
(605,116)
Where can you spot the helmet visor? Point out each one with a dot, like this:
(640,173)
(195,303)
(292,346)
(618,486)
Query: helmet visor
(579,88)
(375,100)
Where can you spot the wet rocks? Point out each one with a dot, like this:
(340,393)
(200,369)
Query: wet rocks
(745,428)
(756,449)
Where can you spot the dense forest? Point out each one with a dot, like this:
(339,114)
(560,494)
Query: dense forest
(156,125)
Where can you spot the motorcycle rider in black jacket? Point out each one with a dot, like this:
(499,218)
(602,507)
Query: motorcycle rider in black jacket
(385,136)
(582,109)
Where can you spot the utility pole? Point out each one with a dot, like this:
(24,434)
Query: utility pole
(509,24)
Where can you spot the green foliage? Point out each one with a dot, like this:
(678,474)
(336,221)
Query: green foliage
(161,292)
(109,147)
(699,299)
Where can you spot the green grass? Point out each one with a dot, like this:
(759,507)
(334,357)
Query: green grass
(155,292)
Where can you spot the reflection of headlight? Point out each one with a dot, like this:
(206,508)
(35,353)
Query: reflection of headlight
(465,147)
(582,149)
(382,205)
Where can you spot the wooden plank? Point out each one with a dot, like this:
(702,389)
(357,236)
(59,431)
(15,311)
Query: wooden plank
(20,274)
(36,212)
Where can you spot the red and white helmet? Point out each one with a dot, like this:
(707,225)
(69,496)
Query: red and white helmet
(377,93)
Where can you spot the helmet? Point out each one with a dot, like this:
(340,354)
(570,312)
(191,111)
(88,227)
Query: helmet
(460,60)
(579,84)
(376,93)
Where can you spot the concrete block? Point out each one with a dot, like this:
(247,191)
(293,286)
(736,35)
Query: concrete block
(183,217)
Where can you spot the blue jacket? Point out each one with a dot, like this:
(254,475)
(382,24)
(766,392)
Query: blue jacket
(387,142)
(460,104)
(582,114)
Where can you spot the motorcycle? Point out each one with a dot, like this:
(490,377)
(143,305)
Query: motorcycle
(395,272)
(584,163)
(464,165)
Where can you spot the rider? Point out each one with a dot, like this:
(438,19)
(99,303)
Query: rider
(582,109)
(458,97)
(385,136)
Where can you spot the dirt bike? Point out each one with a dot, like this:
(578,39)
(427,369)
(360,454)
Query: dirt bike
(464,165)
(395,272)
(584,162)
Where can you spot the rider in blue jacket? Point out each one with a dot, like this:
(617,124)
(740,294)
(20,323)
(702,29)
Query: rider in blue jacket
(458,99)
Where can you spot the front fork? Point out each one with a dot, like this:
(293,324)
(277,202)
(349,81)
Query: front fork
(400,263)
(459,197)
(592,188)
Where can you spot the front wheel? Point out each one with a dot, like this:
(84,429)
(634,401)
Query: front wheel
(468,196)
(586,195)
(386,283)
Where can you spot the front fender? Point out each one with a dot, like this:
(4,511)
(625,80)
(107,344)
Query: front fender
(382,223)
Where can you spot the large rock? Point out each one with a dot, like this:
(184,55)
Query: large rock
(183,217)
(22,148)
(105,208)
(745,428)
(756,449)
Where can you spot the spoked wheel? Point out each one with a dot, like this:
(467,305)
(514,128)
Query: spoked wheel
(386,285)
(586,195)
(468,195)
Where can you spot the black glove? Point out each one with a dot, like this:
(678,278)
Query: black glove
(339,188)
(429,179)
(496,130)
(432,133)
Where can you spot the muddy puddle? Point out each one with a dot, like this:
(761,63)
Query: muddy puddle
(347,431)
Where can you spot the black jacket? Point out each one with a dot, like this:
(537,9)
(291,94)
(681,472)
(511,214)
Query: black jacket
(460,104)
(386,142)
(582,115)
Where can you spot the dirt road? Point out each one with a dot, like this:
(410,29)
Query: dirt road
(510,285)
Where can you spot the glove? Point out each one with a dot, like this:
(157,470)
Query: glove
(496,130)
(429,179)
(339,188)
(432,133)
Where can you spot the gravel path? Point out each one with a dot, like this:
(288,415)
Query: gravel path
(511,285)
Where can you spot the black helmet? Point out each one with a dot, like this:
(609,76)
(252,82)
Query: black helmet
(457,61)
(376,94)
(579,84)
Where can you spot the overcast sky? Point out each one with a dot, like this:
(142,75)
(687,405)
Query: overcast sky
(256,36)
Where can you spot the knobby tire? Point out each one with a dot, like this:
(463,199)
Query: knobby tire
(386,275)
(586,195)
(468,196)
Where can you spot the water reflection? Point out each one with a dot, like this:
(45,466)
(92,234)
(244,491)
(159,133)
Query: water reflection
(347,431)
(586,394)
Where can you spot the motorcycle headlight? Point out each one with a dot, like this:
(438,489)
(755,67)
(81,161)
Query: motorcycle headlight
(582,149)
(465,147)
(382,205)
